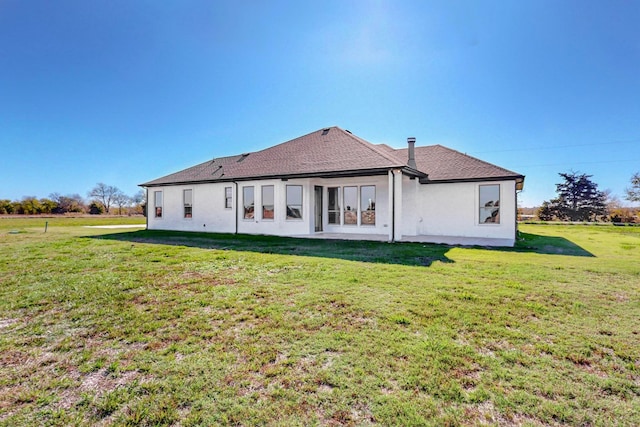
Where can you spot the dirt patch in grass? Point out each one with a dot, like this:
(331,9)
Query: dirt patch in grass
(5,323)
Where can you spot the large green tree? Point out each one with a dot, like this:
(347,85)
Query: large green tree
(578,199)
(633,192)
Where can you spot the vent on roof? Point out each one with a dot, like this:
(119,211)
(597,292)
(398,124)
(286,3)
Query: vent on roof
(243,156)
(325,131)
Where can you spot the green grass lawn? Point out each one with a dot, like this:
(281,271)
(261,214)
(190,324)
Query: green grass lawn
(134,327)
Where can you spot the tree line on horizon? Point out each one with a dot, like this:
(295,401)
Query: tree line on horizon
(578,199)
(102,199)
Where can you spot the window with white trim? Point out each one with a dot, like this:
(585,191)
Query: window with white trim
(334,205)
(294,201)
(368,205)
(187,197)
(350,205)
(228,197)
(157,203)
(267,202)
(248,203)
(489,198)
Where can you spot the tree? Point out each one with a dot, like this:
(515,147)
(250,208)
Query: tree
(633,192)
(68,203)
(47,206)
(121,200)
(6,207)
(545,212)
(578,199)
(139,198)
(104,194)
(95,208)
(30,205)
(139,201)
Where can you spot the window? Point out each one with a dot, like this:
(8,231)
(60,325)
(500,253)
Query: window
(351,205)
(368,205)
(187,196)
(228,197)
(157,203)
(294,201)
(334,205)
(267,202)
(489,204)
(248,202)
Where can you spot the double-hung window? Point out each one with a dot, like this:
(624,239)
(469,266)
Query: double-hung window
(294,201)
(489,204)
(267,202)
(228,197)
(157,203)
(187,196)
(248,202)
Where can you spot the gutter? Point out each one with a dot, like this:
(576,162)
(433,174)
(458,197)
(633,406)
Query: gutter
(518,178)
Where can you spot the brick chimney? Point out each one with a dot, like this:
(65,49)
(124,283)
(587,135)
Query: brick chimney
(412,152)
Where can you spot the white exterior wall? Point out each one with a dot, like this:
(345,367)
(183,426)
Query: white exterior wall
(447,210)
(279,225)
(452,209)
(383,220)
(210,215)
(208,212)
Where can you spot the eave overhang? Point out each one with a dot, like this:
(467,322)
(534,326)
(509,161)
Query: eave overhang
(322,174)
(519,179)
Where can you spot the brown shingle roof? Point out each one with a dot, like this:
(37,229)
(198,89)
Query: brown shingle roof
(444,164)
(334,151)
(317,152)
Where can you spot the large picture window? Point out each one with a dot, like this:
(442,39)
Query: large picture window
(228,197)
(334,205)
(248,202)
(489,204)
(294,201)
(187,196)
(267,202)
(157,203)
(351,205)
(368,205)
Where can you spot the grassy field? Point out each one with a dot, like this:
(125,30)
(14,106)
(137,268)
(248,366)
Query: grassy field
(132,327)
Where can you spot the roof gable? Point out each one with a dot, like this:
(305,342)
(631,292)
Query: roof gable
(325,150)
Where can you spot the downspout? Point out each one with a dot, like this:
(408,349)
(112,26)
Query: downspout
(146,208)
(236,208)
(393,207)
(515,239)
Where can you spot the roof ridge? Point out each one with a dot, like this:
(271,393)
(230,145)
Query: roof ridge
(293,139)
(370,146)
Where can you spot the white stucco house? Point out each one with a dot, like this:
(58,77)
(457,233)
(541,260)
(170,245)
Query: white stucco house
(332,184)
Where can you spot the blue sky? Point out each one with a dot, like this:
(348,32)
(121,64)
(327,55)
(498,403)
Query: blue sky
(123,92)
